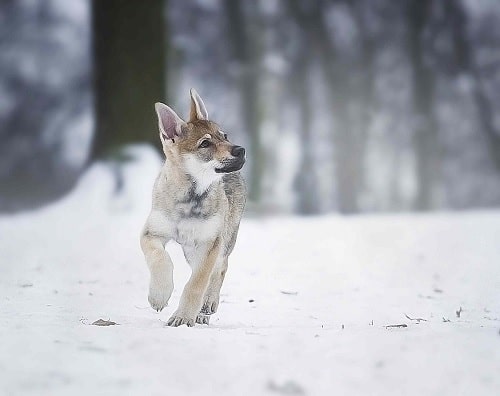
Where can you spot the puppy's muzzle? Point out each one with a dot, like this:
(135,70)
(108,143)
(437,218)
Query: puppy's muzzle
(235,164)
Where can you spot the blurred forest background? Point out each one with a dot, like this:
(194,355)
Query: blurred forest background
(348,106)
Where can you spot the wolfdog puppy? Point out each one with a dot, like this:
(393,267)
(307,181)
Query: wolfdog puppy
(198,201)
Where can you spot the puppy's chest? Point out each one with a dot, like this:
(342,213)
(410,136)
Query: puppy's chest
(198,218)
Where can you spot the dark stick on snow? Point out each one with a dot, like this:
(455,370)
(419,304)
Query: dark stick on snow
(396,325)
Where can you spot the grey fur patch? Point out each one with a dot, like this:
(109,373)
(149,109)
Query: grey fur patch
(235,190)
(193,205)
(148,233)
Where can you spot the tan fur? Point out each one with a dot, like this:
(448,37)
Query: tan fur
(195,130)
(198,207)
(195,288)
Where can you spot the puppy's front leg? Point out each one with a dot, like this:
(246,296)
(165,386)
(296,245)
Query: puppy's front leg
(192,295)
(160,266)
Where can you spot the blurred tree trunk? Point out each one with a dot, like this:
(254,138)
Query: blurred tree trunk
(129,72)
(37,111)
(365,91)
(243,51)
(465,62)
(348,168)
(306,182)
(425,133)
(347,164)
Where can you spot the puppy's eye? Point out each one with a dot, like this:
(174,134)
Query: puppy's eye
(204,144)
(225,136)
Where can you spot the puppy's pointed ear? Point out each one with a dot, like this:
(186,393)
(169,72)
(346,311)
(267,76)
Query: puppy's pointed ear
(198,109)
(168,121)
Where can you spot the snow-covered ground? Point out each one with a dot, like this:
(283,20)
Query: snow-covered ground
(304,309)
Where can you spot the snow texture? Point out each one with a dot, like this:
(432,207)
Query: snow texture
(304,308)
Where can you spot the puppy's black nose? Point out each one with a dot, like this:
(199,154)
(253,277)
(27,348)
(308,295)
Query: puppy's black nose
(238,151)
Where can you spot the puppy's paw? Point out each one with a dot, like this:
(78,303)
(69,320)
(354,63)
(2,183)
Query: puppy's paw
(159,295)
(178,319)
(210,305)
(203,319)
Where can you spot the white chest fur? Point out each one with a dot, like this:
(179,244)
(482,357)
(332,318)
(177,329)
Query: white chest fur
(190,231)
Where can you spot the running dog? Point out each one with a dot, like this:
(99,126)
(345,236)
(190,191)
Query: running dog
(198,200)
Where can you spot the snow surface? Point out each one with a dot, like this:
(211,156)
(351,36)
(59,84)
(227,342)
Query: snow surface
(304,306)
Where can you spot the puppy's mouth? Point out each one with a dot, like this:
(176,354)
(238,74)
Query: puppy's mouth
(232,166)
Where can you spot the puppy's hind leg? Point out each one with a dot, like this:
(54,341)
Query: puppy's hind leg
(212,295)
(160,266)
(192,295)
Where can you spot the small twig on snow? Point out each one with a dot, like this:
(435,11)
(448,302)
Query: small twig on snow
(459,312)
(396,325)
(418,320)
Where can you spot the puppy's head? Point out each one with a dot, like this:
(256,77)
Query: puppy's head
(199,145)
